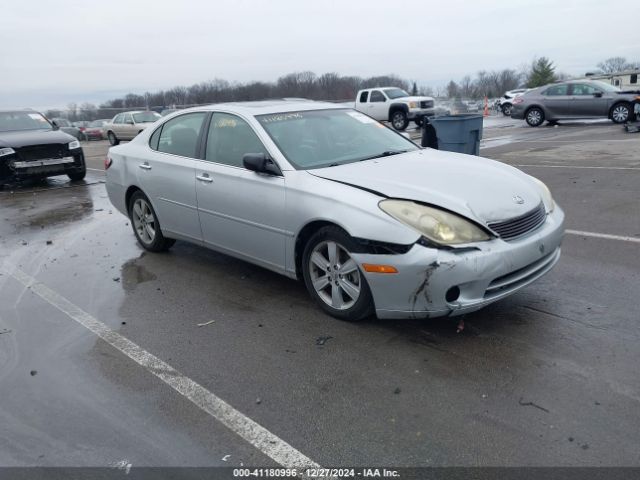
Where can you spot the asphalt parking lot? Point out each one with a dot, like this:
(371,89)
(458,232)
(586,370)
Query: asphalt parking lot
(548,377)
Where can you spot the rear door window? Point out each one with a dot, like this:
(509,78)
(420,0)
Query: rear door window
(180,135)
(364,96)
(557,90)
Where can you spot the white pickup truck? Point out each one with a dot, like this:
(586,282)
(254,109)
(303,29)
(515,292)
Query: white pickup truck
(394,105)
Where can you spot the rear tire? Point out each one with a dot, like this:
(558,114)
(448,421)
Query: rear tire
(621,112)
(418,122)
(146,226)
(333,278)
(399,120)
(113,140)
(534,117)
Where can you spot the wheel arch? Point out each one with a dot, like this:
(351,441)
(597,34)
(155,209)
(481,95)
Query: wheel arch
(620,102)
(303,236)
(129,193)
(394,107)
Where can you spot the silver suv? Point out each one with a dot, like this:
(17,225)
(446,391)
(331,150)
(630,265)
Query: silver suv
(575,99)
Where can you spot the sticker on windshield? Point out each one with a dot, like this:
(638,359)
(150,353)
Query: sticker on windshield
(281,117)
(361,118)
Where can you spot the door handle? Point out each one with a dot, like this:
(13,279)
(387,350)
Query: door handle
(204,178)
(145,166)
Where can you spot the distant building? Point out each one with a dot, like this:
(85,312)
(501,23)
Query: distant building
(627,80)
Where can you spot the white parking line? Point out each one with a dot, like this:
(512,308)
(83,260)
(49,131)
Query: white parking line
(578,166)
(606,236)
(258,436)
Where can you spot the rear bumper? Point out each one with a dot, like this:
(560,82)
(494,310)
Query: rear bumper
(517,112)
(492,271)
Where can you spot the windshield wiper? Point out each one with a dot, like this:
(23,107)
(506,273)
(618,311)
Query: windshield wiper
(386,153)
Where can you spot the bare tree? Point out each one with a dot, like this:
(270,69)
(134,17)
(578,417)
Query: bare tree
(452,89)
(72,111)
(615,64)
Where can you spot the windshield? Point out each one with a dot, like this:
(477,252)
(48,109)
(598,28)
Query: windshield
(145,117)
(395,93)
(323,138)
(15,121)
(607,87)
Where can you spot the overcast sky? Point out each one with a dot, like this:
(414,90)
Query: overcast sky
(54,52)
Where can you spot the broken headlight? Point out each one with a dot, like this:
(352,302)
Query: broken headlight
(437,225)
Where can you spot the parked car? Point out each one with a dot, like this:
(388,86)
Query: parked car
(394,105)
(67,127)
(368,220)
(506,101)
(94,130)
(574,99)
(81,125)
(126,125)
(31,146)
(472,106)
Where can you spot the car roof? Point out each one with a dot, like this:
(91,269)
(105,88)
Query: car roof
(265,107)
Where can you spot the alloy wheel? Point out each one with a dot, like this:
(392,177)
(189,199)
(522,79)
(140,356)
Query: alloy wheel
(398,121)
(144,221)
(335,275)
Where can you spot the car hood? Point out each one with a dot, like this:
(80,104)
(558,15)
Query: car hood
(33,137)
(478,188)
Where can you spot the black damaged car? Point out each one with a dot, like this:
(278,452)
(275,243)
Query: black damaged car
(33,147)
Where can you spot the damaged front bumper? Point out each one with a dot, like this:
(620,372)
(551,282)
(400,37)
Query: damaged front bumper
(433,282)
(13,168)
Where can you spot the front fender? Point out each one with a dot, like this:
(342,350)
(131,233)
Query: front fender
(312,199)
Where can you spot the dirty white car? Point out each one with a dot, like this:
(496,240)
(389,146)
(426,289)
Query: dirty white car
(369,221)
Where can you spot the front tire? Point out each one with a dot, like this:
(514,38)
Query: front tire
(534,117)
(399,120)
(333,277)
(78,174)
(506,109)
(146,226)
(113,140)
(621,113)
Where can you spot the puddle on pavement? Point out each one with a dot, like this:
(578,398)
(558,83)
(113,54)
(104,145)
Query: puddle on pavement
(133,274)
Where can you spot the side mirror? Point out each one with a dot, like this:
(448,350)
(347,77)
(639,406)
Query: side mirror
(260,163)
(597,94)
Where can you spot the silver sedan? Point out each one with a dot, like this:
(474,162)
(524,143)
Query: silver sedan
(372,223)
